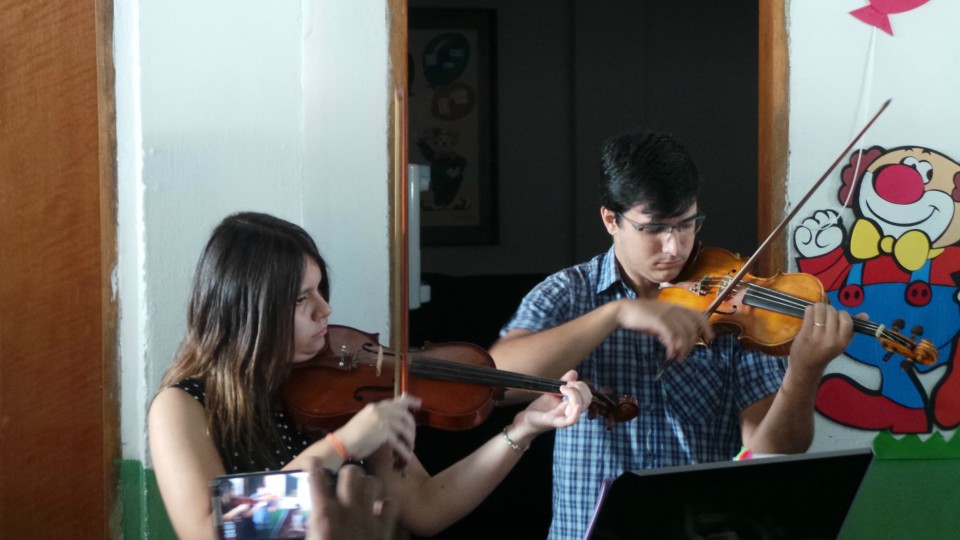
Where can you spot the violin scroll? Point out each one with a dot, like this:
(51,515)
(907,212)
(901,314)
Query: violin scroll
(921,351)
(613,411)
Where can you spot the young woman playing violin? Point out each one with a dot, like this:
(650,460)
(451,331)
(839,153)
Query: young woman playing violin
(259,305)
(603,318)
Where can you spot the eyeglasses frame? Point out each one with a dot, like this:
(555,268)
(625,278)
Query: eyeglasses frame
(666,227)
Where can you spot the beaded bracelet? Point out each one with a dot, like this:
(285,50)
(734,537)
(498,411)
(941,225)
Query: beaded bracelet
(516,447)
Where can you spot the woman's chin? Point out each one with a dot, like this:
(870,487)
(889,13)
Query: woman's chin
(305,356)
(311,351)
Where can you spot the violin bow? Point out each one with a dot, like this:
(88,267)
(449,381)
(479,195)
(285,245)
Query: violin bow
(735,280)
(399,282)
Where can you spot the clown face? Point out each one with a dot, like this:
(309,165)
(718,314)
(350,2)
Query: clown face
(913,189)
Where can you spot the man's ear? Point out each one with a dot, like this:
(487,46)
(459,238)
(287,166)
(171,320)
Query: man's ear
(609,218)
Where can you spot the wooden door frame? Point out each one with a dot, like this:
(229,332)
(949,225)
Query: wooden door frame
(109,316)
(58,316)
(773,117)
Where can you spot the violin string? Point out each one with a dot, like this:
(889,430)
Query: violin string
(865,327)
(471,373)
(459,372)
(448,370)
(796,305)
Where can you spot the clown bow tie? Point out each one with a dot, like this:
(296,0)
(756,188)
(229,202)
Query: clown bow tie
(911,250)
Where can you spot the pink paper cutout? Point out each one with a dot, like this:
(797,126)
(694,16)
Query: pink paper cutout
(877,13)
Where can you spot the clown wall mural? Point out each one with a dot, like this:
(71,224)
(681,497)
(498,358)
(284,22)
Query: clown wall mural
(899,262)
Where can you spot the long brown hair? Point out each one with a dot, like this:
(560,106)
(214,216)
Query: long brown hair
(240,331)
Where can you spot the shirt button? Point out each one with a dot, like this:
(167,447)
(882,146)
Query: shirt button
(649,407)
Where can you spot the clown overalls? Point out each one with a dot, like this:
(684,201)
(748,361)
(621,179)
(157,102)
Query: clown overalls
(883,290)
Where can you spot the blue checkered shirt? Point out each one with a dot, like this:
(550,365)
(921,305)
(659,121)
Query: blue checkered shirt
(690,415)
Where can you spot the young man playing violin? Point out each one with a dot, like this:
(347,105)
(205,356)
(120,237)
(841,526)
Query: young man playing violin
(698,403)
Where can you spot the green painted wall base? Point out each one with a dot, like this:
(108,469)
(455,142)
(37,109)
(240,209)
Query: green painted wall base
(912,490)
(143,513)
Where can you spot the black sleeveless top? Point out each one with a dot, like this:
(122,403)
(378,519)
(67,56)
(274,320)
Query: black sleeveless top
(291,437)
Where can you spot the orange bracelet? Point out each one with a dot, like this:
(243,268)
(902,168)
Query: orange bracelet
(338,446)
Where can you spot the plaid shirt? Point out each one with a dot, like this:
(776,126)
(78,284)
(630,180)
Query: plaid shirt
(690,415)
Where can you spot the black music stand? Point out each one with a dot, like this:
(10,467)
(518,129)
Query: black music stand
(794,497)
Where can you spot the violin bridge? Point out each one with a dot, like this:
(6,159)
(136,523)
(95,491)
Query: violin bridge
(702,287)
(726,283)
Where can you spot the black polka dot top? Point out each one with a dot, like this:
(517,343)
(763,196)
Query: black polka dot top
(295,440)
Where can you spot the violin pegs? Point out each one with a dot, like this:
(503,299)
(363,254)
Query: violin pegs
(917,331)
(898,324)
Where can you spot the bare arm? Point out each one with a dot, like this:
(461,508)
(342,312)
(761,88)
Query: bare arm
(554,351)
(185,460)
(783,424)
(430,504)
(388,423)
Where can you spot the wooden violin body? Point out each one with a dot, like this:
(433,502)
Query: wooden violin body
(745,312)
(457,383)
(354,370)
(767,313)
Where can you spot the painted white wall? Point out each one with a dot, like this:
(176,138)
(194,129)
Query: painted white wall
(841,71)
(230,105)
(346,193)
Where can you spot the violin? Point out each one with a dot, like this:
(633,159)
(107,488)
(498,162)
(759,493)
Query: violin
(456,382)
(766,313)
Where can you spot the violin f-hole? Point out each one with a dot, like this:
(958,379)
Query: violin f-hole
(361,393)
(730,312)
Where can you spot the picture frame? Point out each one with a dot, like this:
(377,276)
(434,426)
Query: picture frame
(452,123)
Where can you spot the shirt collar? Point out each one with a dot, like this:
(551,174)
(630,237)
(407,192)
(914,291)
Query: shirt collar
(610,276)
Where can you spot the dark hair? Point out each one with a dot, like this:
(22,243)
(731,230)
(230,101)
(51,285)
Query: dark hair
(240,329)
(648,168)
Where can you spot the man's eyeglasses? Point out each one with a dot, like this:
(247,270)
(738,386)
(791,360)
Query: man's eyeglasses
(687,227)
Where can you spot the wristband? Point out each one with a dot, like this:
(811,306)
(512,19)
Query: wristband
(338,445)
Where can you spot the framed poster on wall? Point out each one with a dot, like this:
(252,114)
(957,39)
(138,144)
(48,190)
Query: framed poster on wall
(452,122)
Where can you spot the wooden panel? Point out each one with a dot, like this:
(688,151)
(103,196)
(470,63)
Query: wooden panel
(54,470)
(772,142)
